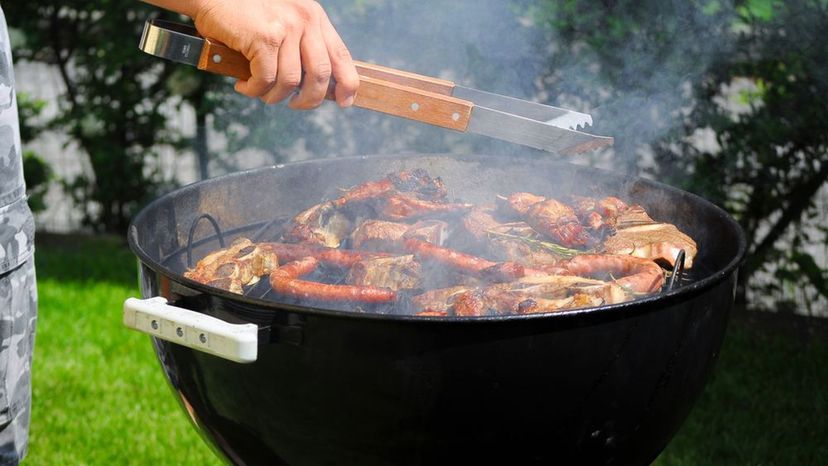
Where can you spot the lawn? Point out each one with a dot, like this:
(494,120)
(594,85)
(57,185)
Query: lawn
(100,398)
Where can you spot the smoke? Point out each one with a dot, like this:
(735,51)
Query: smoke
(631,66)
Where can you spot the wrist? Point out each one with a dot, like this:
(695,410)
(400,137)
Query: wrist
(189,8)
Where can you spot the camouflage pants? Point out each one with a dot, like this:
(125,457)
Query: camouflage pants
(18,314)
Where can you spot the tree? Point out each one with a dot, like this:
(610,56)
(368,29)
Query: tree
(668,71)
(113,105)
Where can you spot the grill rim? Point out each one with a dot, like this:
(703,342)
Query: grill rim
(638,306)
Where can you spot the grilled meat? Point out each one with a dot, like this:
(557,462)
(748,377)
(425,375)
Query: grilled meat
(240,264)
(322,224)
(395,273)
(378,235)
(656,241)
(404,206)
(504,241)
(382,235)
(525,255)
(285,280)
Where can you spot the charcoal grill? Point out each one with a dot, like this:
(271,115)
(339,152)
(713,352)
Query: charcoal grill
(605,385)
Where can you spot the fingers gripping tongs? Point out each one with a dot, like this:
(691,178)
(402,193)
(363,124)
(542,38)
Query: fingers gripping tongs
(408,95)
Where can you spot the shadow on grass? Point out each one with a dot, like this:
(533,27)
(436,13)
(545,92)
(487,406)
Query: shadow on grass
(85,258)
(766,402)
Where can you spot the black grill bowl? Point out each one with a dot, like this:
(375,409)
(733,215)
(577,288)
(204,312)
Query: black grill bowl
(608,385)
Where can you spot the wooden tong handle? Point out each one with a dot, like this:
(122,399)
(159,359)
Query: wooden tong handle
(382,89)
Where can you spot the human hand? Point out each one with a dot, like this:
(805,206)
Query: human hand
(282,39)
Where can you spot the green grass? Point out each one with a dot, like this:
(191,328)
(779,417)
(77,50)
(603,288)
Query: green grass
(100,397)
(767,402)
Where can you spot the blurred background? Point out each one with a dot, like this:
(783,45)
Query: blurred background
(726,99)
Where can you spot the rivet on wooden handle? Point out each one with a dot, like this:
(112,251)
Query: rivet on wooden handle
(218,58)
(414,104)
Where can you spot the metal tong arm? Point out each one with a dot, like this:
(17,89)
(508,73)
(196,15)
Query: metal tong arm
(381,89)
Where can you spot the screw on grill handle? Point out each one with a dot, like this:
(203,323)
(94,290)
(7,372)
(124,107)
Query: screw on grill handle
(236,342)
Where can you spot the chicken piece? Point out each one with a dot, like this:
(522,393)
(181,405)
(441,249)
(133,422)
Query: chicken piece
(549,217)
(657,241)
(633,216)
(641,276)
(527,295)
(382,235)
(430,231)
(326,223)
(378,235)
(404,206)
(518,204)
(600,215)
(439,300)
(394,273)
(559,222)
(321,224)
(503,241)
(240,264)
(413,181)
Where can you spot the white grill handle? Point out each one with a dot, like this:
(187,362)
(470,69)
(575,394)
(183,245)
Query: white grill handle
(153,316)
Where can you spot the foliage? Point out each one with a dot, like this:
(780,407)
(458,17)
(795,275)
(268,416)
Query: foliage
(752,72)
(112,106)
(36,171)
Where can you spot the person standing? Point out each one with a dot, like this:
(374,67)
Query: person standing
(18,294)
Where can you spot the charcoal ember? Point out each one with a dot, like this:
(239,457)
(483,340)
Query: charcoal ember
(395,273)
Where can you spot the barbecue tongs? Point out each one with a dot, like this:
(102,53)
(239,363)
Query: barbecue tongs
(400,93)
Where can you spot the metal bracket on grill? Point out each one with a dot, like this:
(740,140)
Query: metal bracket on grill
(678,270)
(192,232)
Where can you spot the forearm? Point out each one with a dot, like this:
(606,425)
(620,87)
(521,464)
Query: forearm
(185,7)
